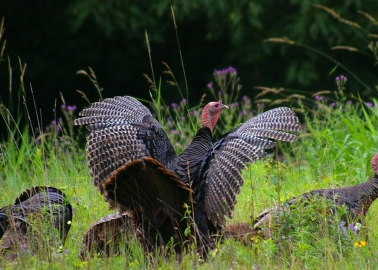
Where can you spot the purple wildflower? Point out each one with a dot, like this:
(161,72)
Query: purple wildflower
(244,98)
(340,81)
(342,227)
(71,108)
(318,97)
(23,247)
(233,105)
(224,72)
(260,106)
(183,101)
(369,104)
(210,85)
(232,71)
(353,228)
(194,113)
(174,105)
(333,104)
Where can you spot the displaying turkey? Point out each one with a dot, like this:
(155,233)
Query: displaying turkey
(357,199)
(29,221)
(136,168)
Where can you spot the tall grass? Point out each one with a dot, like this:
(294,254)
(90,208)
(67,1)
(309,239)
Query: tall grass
(334,149)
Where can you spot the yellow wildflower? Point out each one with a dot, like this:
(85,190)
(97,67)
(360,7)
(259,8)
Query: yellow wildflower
(361,243)
(254,239)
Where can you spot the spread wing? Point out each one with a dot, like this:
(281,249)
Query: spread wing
(122,130)
(245,144)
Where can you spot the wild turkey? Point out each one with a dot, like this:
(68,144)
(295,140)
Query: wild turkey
(4,223)
(136,168)
(357,199)
(106,236)
(34,211)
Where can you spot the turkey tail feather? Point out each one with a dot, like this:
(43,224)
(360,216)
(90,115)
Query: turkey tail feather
(146,185)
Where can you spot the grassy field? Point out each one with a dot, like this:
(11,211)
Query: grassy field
(333,150)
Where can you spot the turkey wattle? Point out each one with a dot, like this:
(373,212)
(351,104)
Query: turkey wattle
(136,168)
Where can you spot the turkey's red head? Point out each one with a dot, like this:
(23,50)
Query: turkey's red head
(374,164)
(211,114)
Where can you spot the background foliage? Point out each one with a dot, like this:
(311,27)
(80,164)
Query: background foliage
(56,39)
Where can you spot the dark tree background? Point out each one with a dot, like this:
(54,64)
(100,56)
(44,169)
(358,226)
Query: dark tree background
(57,38)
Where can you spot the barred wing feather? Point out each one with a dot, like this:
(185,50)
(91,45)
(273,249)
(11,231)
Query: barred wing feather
(122,129)
(245,144)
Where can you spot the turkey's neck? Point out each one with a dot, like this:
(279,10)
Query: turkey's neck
(189,162)
(209,120)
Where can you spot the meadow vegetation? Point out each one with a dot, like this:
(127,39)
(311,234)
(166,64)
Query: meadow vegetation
(334,149)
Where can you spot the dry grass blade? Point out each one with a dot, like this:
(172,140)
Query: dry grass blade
(264,100)
(296,96)
(2,29)
(169,71)
(62,98)
(367,15)
(83,96)
(171,83)
(323,92)
(150,57)
(348,48)
(337,16)
(152,85)
(298,110)
(280,101)
(202,100)
(280,40)
(329,11)
(92,78)
(266,90)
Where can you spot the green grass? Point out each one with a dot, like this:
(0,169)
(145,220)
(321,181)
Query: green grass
(333,150)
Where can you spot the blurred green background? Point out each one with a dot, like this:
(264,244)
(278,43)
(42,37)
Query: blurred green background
(57,38)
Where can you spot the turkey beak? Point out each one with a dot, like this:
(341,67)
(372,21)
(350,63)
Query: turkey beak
(224,107)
